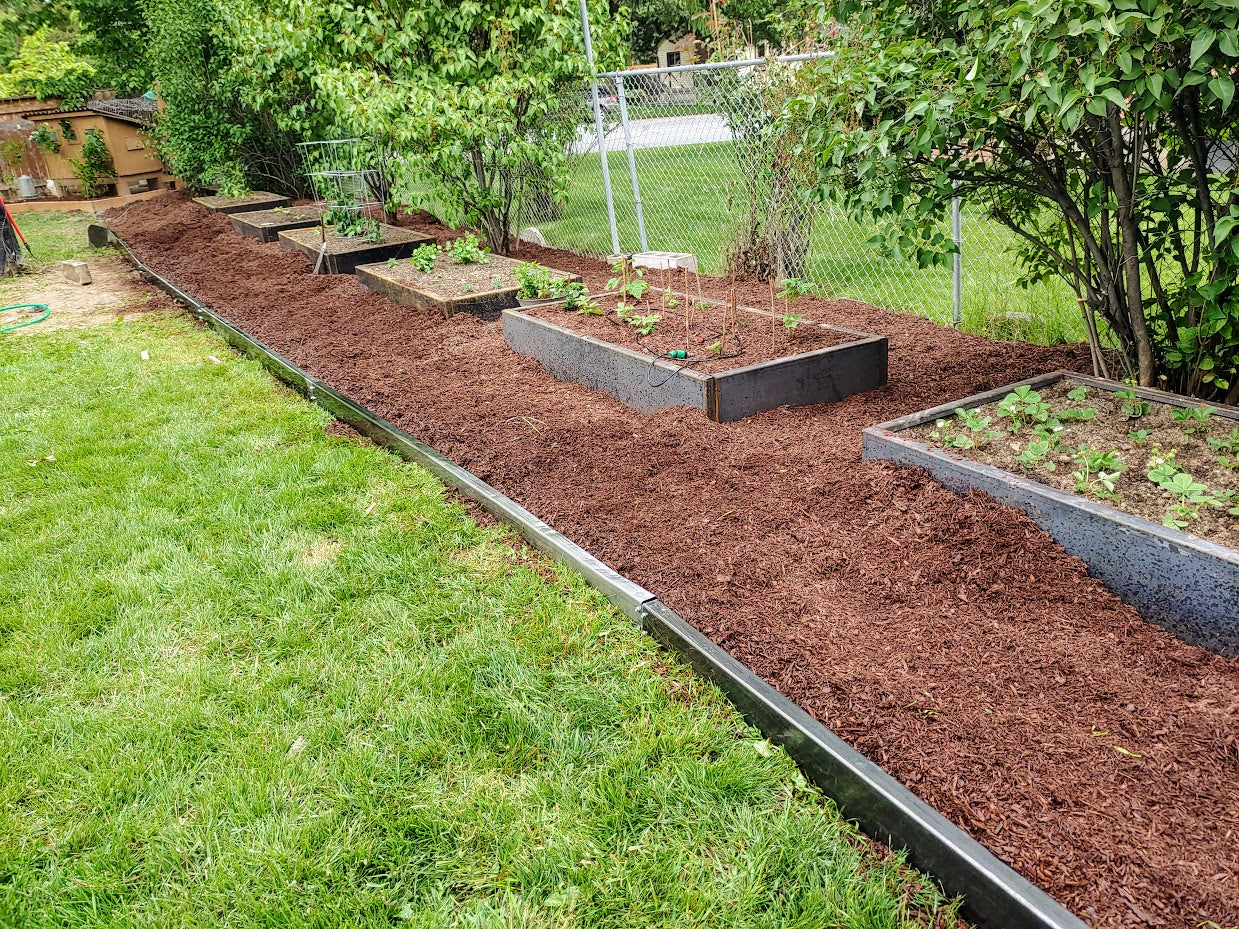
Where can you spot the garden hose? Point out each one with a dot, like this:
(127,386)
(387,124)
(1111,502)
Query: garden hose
(26,306)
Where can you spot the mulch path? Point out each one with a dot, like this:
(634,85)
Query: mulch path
(947,638)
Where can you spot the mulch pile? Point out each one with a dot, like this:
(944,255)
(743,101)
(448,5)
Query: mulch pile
(947,638)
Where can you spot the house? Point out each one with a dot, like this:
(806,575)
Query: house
(121,124)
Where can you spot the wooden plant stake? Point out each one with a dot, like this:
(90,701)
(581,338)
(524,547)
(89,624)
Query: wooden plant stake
(774,330)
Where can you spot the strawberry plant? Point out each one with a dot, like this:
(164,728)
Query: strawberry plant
(1024,406)
(1133,407)
(1190,495)
(1097,472)
(1162,468)
(1035,455)
(1227,449)
(1194,418)
(1140,436)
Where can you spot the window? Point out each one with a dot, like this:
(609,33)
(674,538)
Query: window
(673,59)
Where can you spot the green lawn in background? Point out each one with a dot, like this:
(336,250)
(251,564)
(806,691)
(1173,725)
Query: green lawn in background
(686,192)
(255,675)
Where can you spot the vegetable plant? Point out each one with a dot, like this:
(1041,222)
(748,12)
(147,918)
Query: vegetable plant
(423,257)
(534,281)
(1139,436)
(793,289)
(352,225)
(628,281)
(644,324)
(1226,449)
(467,250)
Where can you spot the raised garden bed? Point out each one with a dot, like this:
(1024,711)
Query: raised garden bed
(1143,486)
(345,253)
(258,200)
(268,224)
(736,361)
(451,287)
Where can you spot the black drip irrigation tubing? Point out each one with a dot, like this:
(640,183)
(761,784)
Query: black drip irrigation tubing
(994,895)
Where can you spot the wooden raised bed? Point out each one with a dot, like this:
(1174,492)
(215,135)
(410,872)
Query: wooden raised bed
(345,253)
(258,200)
(268,224)
(649,383)
(451,287)
(1187,584)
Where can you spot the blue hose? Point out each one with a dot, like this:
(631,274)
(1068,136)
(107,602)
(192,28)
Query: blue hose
(29,322)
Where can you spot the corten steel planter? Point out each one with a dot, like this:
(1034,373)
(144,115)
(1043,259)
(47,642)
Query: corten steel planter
(345,253)
(648,383)
(409,287)
(268,224)
(1188,585)
(258,200)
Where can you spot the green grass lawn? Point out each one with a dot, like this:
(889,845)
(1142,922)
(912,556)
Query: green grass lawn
(685,193)
(255,675)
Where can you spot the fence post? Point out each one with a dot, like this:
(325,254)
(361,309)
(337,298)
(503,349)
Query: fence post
(602,149)
(957,283)
(632,161)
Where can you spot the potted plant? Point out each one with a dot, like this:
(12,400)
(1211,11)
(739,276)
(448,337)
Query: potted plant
(537,285)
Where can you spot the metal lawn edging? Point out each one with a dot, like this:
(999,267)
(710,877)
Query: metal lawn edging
(994,895)
(1188,585)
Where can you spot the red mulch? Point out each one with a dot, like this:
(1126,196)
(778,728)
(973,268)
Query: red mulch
(948,639)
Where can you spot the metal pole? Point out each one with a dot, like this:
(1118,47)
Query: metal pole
(632,161)
(602,150)
(957,288)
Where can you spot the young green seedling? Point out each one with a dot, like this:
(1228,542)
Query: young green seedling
(1035,455)
(645,324)
(1133,407)
(423,257)
(1097,472)
(1140,436)
(467,250)
(1024,406)
(793,289)
(1190,495)
(1194,418)
(628,281)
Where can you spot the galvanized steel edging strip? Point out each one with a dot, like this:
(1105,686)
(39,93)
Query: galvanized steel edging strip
(994,894)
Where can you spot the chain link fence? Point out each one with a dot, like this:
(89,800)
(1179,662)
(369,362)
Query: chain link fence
(695,167)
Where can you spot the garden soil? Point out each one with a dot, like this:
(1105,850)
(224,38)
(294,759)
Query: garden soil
(947,638)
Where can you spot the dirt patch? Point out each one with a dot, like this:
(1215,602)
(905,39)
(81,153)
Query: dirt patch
(715,335)
(947,638)
(450,280)
(1138,443)
(116,293)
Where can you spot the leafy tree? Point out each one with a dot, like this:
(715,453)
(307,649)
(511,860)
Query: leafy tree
(21,18)
(1100,131)
(208,132)
(469,95)
(116,38)
(47,66)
